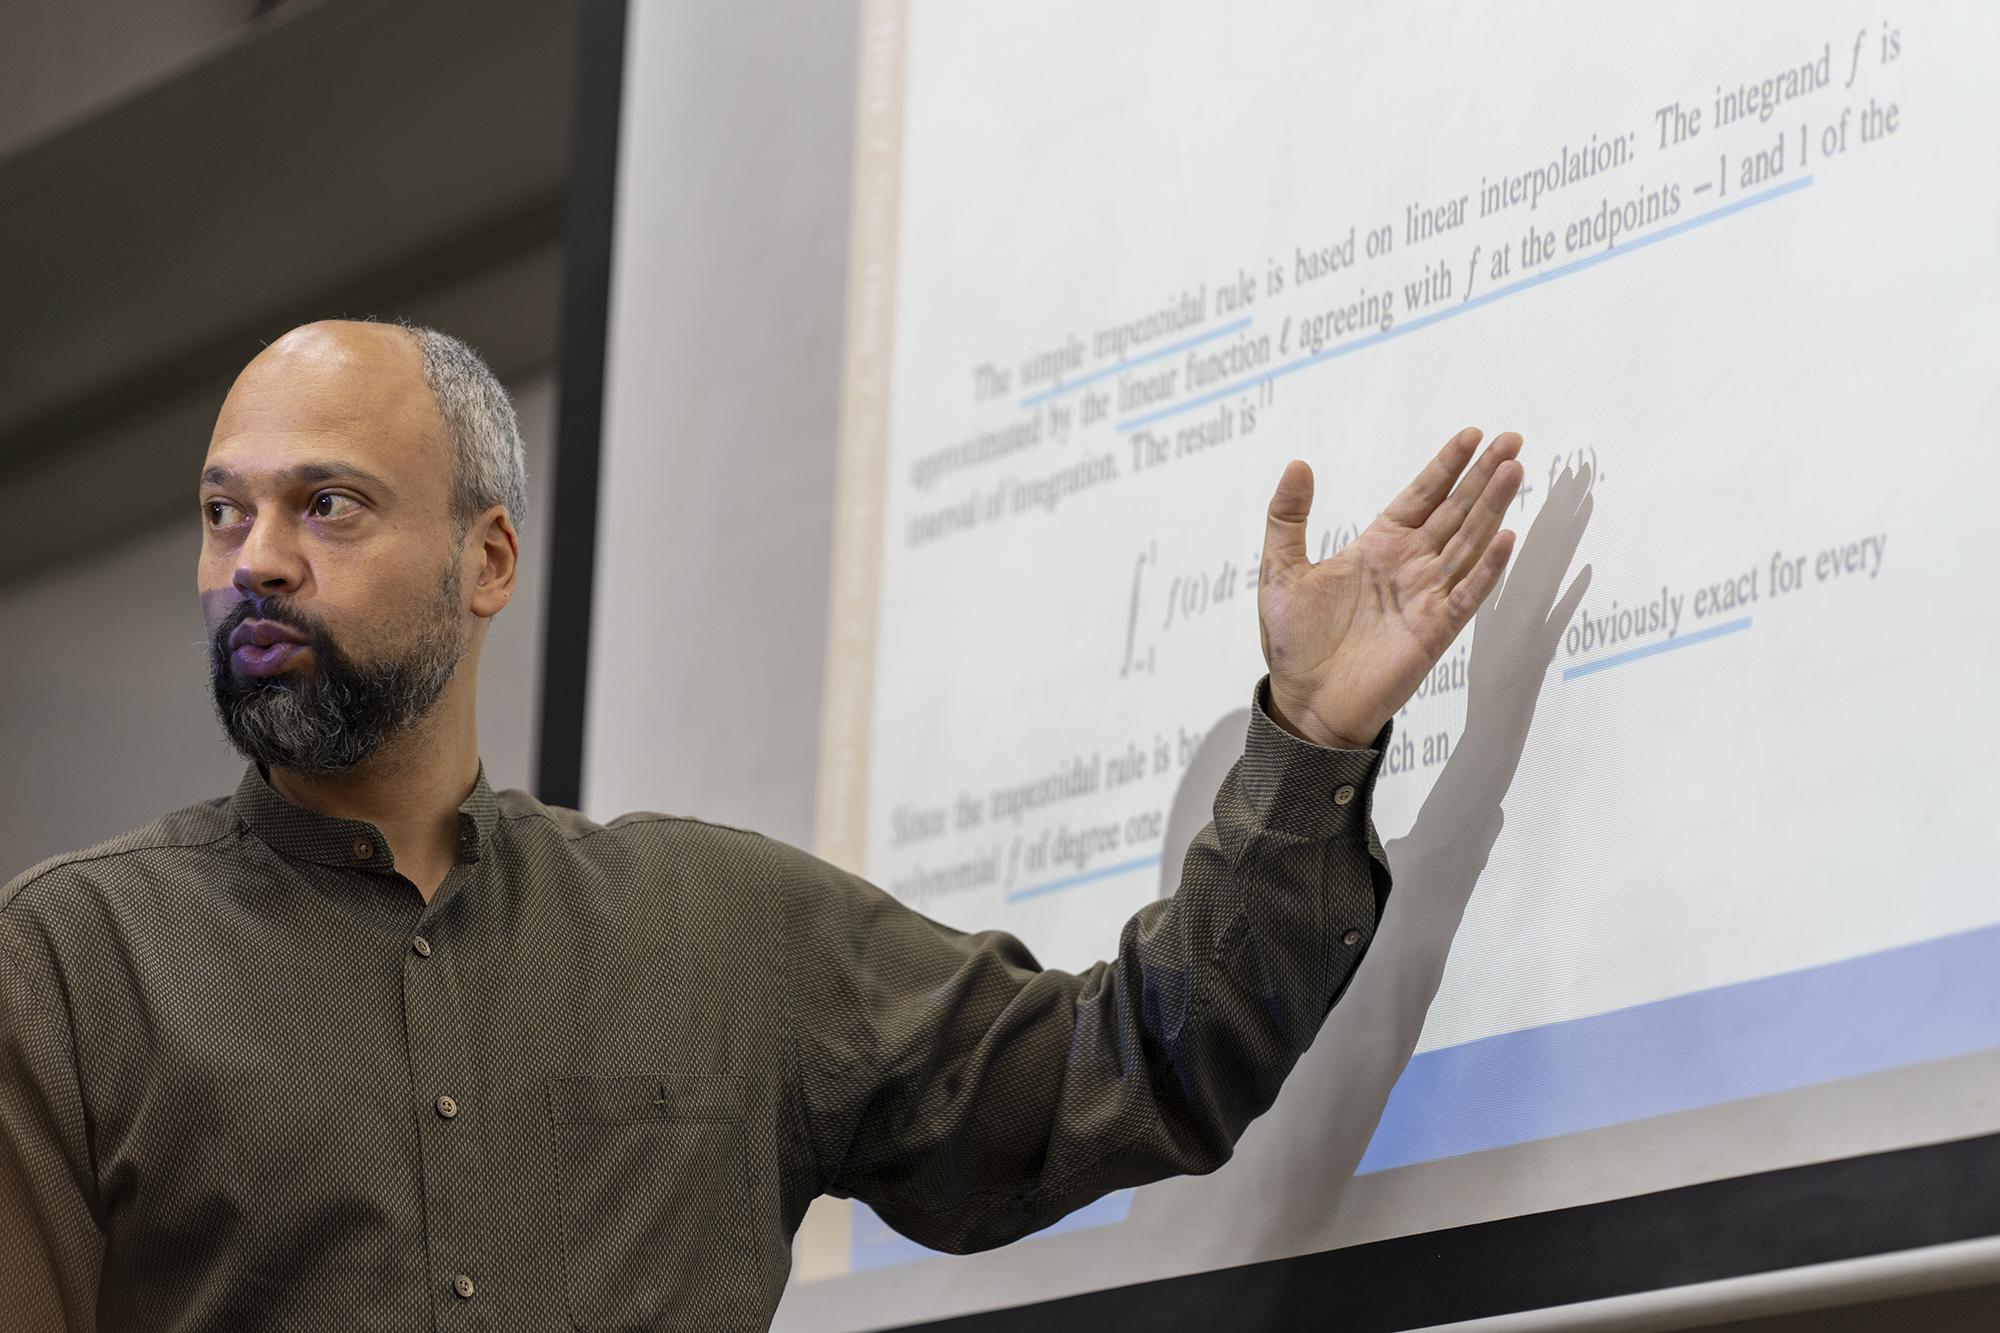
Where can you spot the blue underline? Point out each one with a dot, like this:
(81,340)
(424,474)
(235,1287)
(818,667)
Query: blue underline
(1664,646)
(1102,872)
(1130,362)
(1468,305)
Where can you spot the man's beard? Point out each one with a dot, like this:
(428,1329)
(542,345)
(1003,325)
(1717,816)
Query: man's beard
(345,711)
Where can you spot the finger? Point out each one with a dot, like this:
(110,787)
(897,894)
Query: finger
(1498,598)
(1421,496)
(1471,590)
(1465,546)
(1569,492)
(1568,536)
(1449,516)
(1550,543)
(1285,522)
(1554,538)
(1566,609)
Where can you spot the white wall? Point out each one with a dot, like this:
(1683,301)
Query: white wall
(105,720)
(721,411)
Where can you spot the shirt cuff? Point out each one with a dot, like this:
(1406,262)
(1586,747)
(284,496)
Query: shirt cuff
(1309,791)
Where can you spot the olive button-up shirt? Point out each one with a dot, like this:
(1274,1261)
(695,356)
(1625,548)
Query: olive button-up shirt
(250,1079)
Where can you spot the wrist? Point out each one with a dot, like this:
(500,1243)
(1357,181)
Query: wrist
(1298,718)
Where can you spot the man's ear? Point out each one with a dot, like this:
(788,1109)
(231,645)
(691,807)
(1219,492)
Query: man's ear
(492,542)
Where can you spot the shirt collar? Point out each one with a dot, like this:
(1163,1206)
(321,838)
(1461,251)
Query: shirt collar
(307,835)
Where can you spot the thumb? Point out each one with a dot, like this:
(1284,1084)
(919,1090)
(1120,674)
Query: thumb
(1285,522)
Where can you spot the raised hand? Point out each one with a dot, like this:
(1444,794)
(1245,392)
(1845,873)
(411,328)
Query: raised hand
(1349,639)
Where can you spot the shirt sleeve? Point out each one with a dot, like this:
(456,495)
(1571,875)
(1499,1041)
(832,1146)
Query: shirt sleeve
(973,1097)
(51,1250)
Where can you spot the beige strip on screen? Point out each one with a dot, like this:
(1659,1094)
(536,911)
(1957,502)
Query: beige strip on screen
(824,1242)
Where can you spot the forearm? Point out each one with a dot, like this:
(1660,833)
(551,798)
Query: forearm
(1043,1090)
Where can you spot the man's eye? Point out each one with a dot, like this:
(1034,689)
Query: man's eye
(221,513)
(332,504)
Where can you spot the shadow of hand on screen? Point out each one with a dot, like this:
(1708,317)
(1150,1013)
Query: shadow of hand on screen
(1282,1190)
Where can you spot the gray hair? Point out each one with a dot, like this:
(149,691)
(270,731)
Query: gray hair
(490,466)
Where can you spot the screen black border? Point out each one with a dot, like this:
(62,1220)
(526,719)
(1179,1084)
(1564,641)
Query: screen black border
(1823,1213)
(588,217)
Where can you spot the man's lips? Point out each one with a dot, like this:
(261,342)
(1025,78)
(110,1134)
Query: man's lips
(264,647)
(266,660)
(262,634)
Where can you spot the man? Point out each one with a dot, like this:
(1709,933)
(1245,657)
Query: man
(368,1045)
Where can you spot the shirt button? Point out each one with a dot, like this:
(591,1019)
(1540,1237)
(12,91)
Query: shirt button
(422,946)
(1343,795)
(447,1107)
(363,848)
(463,1286)
(1351,937)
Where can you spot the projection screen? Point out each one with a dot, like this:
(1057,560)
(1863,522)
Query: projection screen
(954,352)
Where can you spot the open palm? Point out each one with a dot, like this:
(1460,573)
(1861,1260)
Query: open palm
(1349,639)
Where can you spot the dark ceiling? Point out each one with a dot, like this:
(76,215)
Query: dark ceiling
(354,157)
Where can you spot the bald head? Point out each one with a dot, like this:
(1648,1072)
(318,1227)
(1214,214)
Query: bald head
(411,383)
(337,396)
(362,344)
(341,382)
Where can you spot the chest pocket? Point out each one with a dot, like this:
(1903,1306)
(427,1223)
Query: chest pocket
(656,1202)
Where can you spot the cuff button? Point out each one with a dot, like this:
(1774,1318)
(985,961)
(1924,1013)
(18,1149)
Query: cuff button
(1351,937)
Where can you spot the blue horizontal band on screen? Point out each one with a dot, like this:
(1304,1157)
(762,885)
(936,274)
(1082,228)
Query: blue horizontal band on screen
(1469,305)
(1905,1006)
(1056,390)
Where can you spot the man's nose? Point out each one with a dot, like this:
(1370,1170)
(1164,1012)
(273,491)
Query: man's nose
(269,561)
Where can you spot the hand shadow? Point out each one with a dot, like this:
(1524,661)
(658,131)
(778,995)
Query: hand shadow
(1281,1191)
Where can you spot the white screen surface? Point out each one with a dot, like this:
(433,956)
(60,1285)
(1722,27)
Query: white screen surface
(1700,880)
